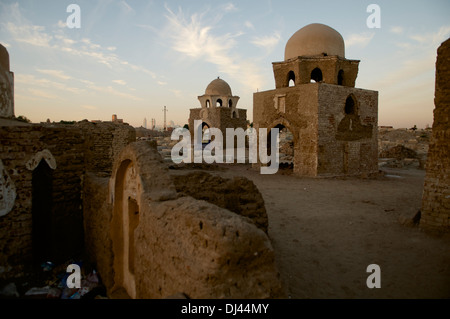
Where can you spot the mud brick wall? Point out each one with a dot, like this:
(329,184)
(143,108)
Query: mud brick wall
(313,114)
(103,142)
(218,117)
(344,150)
(436,194)
(19,144)
(302,67)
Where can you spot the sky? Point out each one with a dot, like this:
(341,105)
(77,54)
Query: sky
(132,58)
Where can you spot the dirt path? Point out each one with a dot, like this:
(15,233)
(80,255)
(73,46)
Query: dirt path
(326,232)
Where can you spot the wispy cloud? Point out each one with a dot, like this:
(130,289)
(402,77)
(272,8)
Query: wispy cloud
(161,82)
(267,42)
(418,64)
(55,73)
(195,39)
(112,91)
(21,30)
(126,7)
(228,7)
(42,94)
(397,30)
(359,39)
(249,25)
(432,38)
(29,80)
(120,82)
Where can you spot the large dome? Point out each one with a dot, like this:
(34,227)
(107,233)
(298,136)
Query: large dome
(218,87)
(314,40)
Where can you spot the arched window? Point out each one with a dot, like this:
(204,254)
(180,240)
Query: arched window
(230,103)
(341,77)
(208,104)
(316,75)
(291,78)
(219,103)
(350,105)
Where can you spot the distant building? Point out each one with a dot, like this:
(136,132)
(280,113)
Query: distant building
(218,109)
(115,119)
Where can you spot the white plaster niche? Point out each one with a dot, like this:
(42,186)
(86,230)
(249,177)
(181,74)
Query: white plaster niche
(37,158)
(7,191)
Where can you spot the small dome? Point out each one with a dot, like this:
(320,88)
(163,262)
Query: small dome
(315,40)
(4,57)
(218,87)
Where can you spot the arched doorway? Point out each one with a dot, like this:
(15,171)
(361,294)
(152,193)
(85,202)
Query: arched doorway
(341,77)
(124,223)
(42,219)
(206,136)
(286,148)
(291,79)
(316,75)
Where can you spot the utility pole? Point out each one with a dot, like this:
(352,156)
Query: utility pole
(165,111)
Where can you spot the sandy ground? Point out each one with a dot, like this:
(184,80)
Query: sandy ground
(325,232)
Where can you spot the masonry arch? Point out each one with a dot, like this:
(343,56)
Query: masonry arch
(340,78)
(124,224)
(351,105)
(41,211)
(208,103)
(206,136)
(316,75)
(219,102)
(287,144)
(230,103)
(291,79)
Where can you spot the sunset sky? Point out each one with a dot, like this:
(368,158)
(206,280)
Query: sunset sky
(132,58)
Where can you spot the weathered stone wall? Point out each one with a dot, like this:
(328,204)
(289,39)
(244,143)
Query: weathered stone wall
(436,194)
(6,85)
(296,109)
(239,195)
(303,66)
(162,244)
(314,113)
(104,141)
(348,144)
(218,117)
(19,144)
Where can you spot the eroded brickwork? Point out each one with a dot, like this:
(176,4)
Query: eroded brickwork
(327,141)
(49,198)
(436,194)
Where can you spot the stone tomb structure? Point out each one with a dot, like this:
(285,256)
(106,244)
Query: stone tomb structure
(334,124)
(6,85)
(218,109)
(150,239)
(435,213)
(66,190)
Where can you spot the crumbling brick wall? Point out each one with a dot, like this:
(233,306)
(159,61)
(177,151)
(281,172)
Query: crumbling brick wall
(104,141)
(436,194)
(18,145)
(238,195)
(179,244)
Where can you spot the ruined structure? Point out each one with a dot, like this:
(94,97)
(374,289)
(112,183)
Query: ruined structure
(218,109)
(436,195)
(334,124)
(6,85)
(151,241)
(68,189)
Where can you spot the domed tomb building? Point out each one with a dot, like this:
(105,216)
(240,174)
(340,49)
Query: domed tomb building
(334,124)
(218,109)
